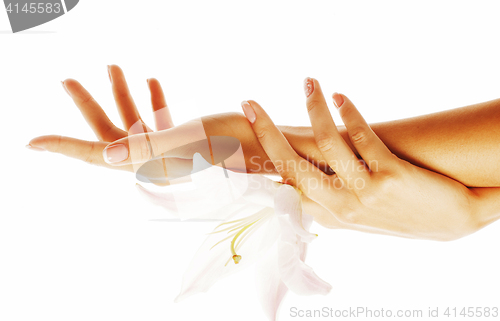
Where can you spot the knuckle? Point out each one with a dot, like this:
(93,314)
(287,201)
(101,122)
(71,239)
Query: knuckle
(349,217)
(55,143)
(262,132)
(359,136)
(123,94)
(58,143)
(87,99)
(89,158)
(311,104)
(325,141)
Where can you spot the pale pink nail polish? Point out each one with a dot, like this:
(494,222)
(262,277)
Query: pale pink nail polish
(37,149)
(249,112)
(115,153)
(338,100)
(308,86)
(65,89)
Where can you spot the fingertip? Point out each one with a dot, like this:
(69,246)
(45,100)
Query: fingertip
(338,99)
(47,142)
(308,86)
(154,85)
(37,141)
(248,110)
(256,107)
(33,148)
(115,153)
(112,69)
(65,88)
(35,145)
(70,84)
(69,81)
(251,102)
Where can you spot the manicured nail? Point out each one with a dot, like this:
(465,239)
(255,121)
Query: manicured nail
(308,86)
(65,89)
(37,149)
(115,153)
(249,112)
(338,100)
(109,74)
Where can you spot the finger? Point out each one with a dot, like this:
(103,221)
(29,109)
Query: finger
(334,149)
(181,141)
(126,106)
(89,152)
(163,119)
(291,167)
(373,151)
(103,128)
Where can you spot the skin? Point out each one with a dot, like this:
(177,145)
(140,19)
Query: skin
(395,195)
(419,141)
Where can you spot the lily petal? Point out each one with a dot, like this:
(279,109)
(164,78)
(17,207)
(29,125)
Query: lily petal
(287,201)
(186,205)
(210,195)
(253,188)
(269,285)
(212,263)
(297,276)
(214,192)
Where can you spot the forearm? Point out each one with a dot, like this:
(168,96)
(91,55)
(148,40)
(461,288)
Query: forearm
(462,143)
(485,206)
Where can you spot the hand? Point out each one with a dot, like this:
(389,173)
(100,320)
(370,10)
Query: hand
(228,124)
(379,191)
(104,129)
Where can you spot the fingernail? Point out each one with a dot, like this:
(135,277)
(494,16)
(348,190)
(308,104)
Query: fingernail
(147,80)
(37,149)
(109,74)
(115,153)
(249,112)
(65,89)
(308,86)
(338,100)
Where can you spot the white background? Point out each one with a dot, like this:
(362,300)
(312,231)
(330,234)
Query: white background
(77,242)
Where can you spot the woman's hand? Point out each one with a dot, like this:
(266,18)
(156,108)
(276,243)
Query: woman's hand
(166,138)
(106,132)
(379,191)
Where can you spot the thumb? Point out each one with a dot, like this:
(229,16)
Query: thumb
(181,141)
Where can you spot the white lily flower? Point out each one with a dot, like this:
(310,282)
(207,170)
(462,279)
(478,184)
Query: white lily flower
(267,223)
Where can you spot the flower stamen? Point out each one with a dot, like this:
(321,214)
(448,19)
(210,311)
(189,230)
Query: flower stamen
(237,258)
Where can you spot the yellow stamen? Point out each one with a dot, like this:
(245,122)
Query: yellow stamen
(236,257)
